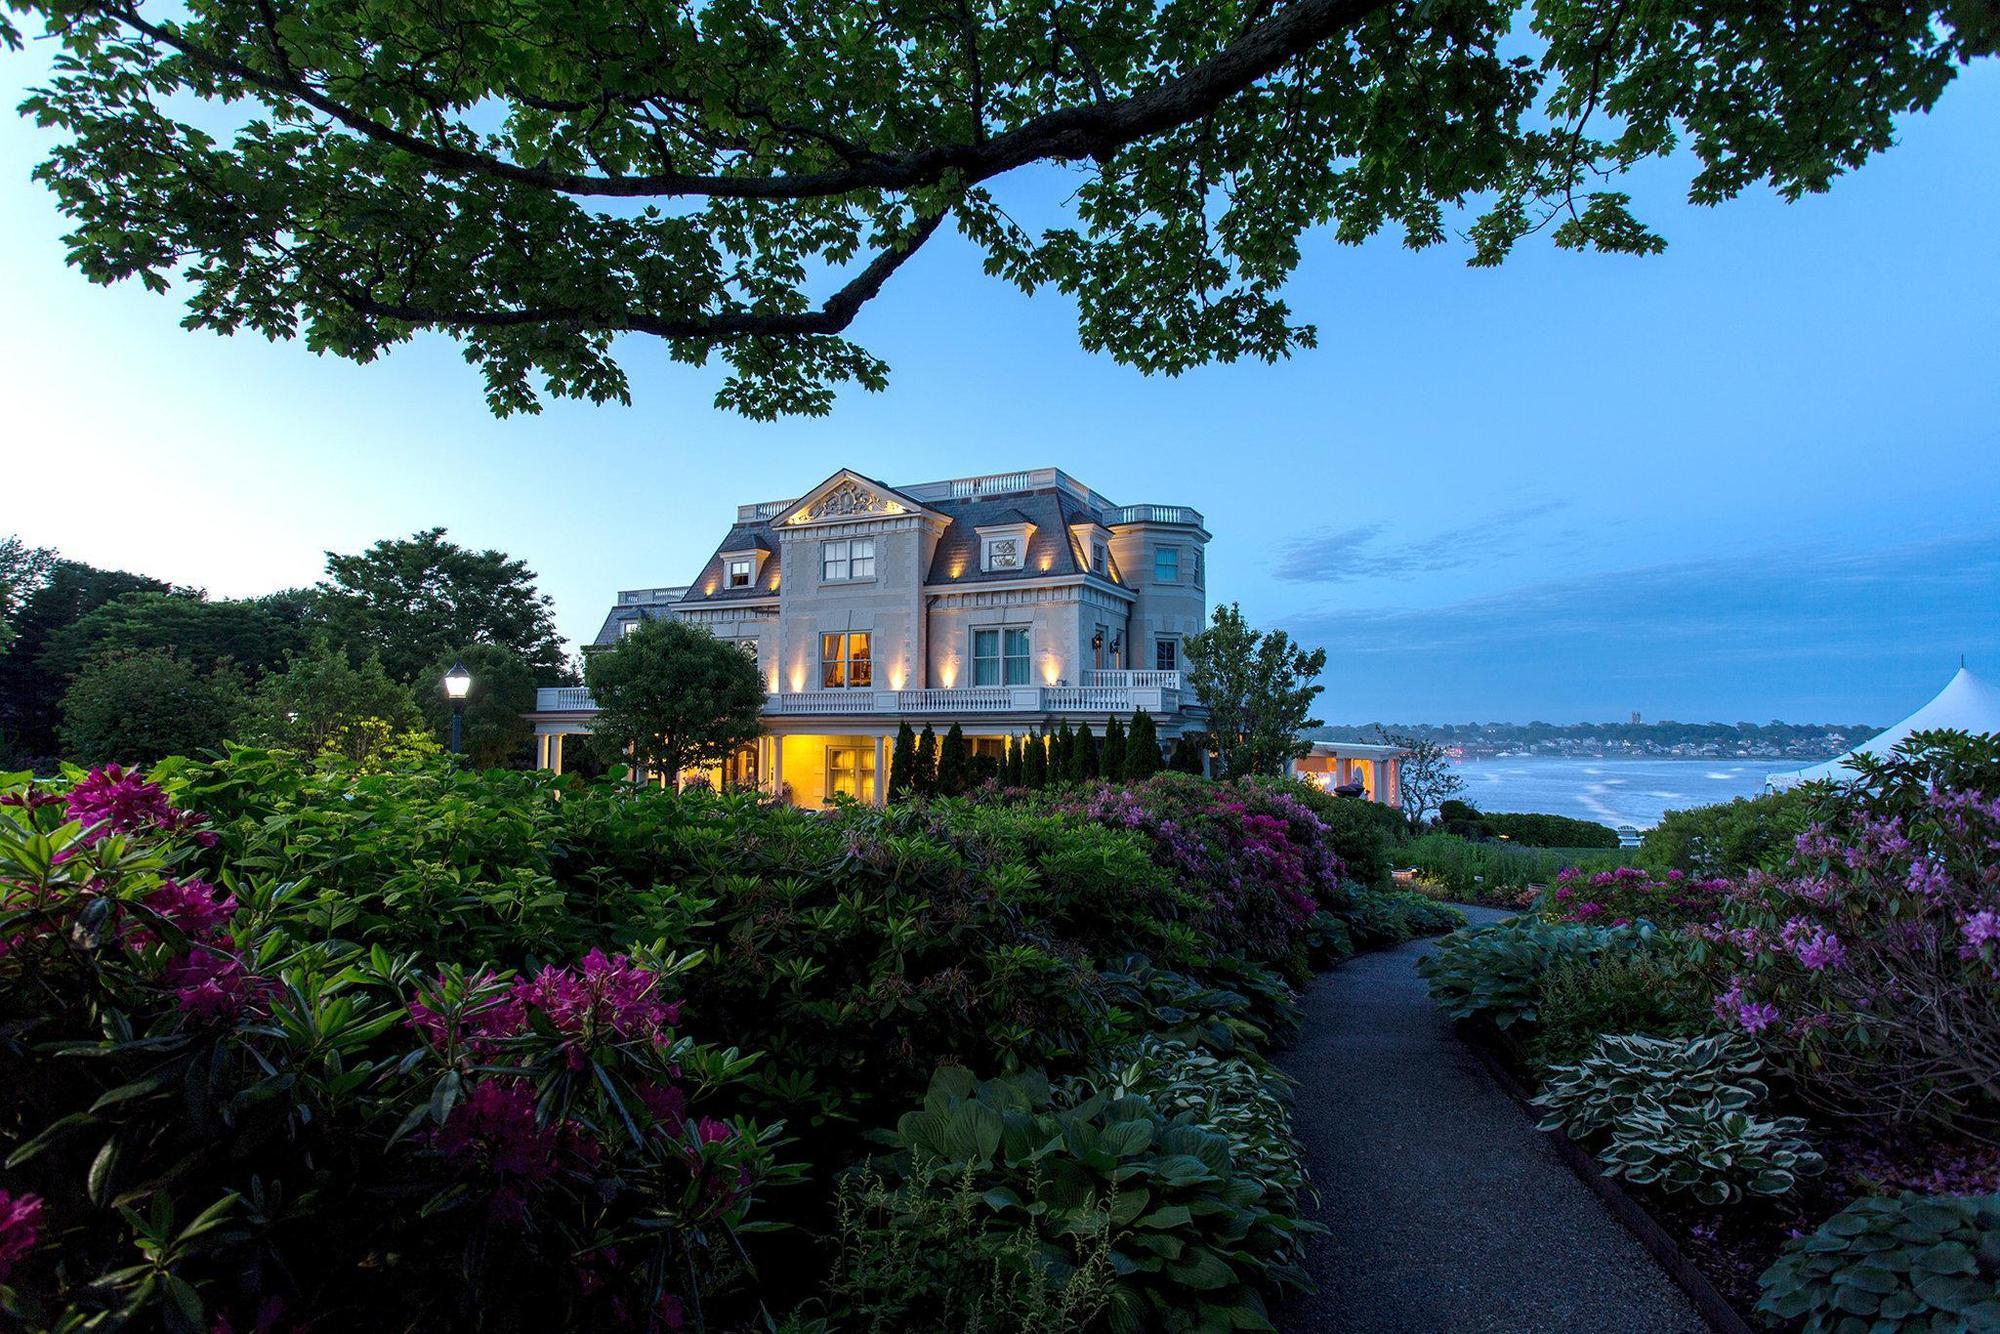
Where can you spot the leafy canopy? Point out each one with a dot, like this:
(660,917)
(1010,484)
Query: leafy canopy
(141,706)
(251,635)
(672,697)
(420,599)
(740,179)
(1259,688)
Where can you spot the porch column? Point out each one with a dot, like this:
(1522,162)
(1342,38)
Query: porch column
(881,771)
(777,765)
(556,752)
(541,750)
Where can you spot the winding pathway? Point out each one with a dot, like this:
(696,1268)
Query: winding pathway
(1448,1211)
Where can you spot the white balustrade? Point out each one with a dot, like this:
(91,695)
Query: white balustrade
(1157,680)
(564,699)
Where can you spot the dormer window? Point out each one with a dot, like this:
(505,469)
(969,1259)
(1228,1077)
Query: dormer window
(1003,553)
(1100,559)
(737,573)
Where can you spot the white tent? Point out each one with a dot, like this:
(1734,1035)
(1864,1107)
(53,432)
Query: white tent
(1966,703)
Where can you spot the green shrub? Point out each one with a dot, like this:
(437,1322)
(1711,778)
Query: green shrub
(1197,1238)
(1676,1115)
(1652,990)
(1496,972)
(1907,1263)
(1534,830)
(1376,920)
(1231,1097)
(1728,838)
(1498,874)
(924,1256)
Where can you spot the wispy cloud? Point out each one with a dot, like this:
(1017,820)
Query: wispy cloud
(1799,633)
(1344,555)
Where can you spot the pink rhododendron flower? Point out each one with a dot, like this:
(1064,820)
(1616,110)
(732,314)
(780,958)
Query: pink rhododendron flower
(1928,878)
(212,983)
(602,994)
(112,800)
(20,1228)
(665,1103)
(197,908)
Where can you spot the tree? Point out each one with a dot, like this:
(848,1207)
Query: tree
(1259,688)
(23,569)
(414,600)
(902,763)
(1082,754)
(1186,756)
(201,633)
(954,763)
(1035,762)
(925,776)
(503,688)
(1111,755)
(672,696)
(29,694)
(1426,775)
(742,181)
(323,704)
(1142,749)
(140,707)
(1010,767)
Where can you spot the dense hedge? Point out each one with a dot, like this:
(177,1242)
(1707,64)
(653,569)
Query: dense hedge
(449,1049)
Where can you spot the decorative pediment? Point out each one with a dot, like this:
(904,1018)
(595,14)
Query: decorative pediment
(848,495)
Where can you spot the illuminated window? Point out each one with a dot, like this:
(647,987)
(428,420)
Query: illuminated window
(1100,559)
(627,628)
(739,572)
(847,558)
(844,661)
(1000,657)
(850,772)
(1167,655)
(1167,565)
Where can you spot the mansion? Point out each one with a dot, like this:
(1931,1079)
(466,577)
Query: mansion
(1006,603)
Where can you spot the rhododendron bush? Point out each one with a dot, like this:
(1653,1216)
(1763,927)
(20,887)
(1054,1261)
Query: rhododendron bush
(1870,962)
(283,1128)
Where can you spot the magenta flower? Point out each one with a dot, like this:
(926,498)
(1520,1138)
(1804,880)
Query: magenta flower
(603,994)
(1750,1015)
(197,908)
(1814,946)
(20,1228)
(212,983)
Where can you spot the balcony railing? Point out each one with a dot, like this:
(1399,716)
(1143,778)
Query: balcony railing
(1128,677)
(1158,697)
(1177,514)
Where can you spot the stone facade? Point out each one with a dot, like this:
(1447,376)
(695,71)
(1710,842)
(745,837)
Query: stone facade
(1005,603)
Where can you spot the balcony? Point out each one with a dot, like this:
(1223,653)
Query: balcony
(1157,693)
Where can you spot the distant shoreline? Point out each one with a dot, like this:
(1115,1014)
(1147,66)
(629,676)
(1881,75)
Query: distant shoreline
(1613,790)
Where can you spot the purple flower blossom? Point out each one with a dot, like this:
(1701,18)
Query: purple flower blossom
(20,1228)
(603,994)
(1815,946)
(1928,879)
(197,908)
(1750,1015)
(112,800)
(211,983)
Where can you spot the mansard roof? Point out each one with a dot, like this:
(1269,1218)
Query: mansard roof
(1051,554)
(710,587)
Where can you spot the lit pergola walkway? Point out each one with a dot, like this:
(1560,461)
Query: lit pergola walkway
(1447,1210)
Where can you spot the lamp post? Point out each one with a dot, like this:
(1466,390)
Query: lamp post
(457,684)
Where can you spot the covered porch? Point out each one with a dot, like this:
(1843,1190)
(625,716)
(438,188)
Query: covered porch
(1372,773)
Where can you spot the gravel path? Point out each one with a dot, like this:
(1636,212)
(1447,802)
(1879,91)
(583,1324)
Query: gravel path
(1448,1211)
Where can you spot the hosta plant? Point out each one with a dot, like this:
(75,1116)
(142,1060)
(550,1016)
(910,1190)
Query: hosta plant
(1708,1150)
(1495,972)
(1197,1236)
(1908,1262)
(1678,1115)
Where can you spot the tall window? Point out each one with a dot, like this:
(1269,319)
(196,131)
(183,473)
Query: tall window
(847,558)
(850,772)
(739,572)
(1100,559)
(1000,657)
(1167,564)
(844,661)
(1167,655)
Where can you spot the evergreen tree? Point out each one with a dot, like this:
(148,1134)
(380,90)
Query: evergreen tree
(1035,762)
(1142,749)
(1186,758)
(924,777)
(1082,755)
(1010,769)
(1111,759)
(902,763)
(1059,748)
(954,764)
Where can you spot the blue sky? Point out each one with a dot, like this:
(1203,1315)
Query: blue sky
(1752,478)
